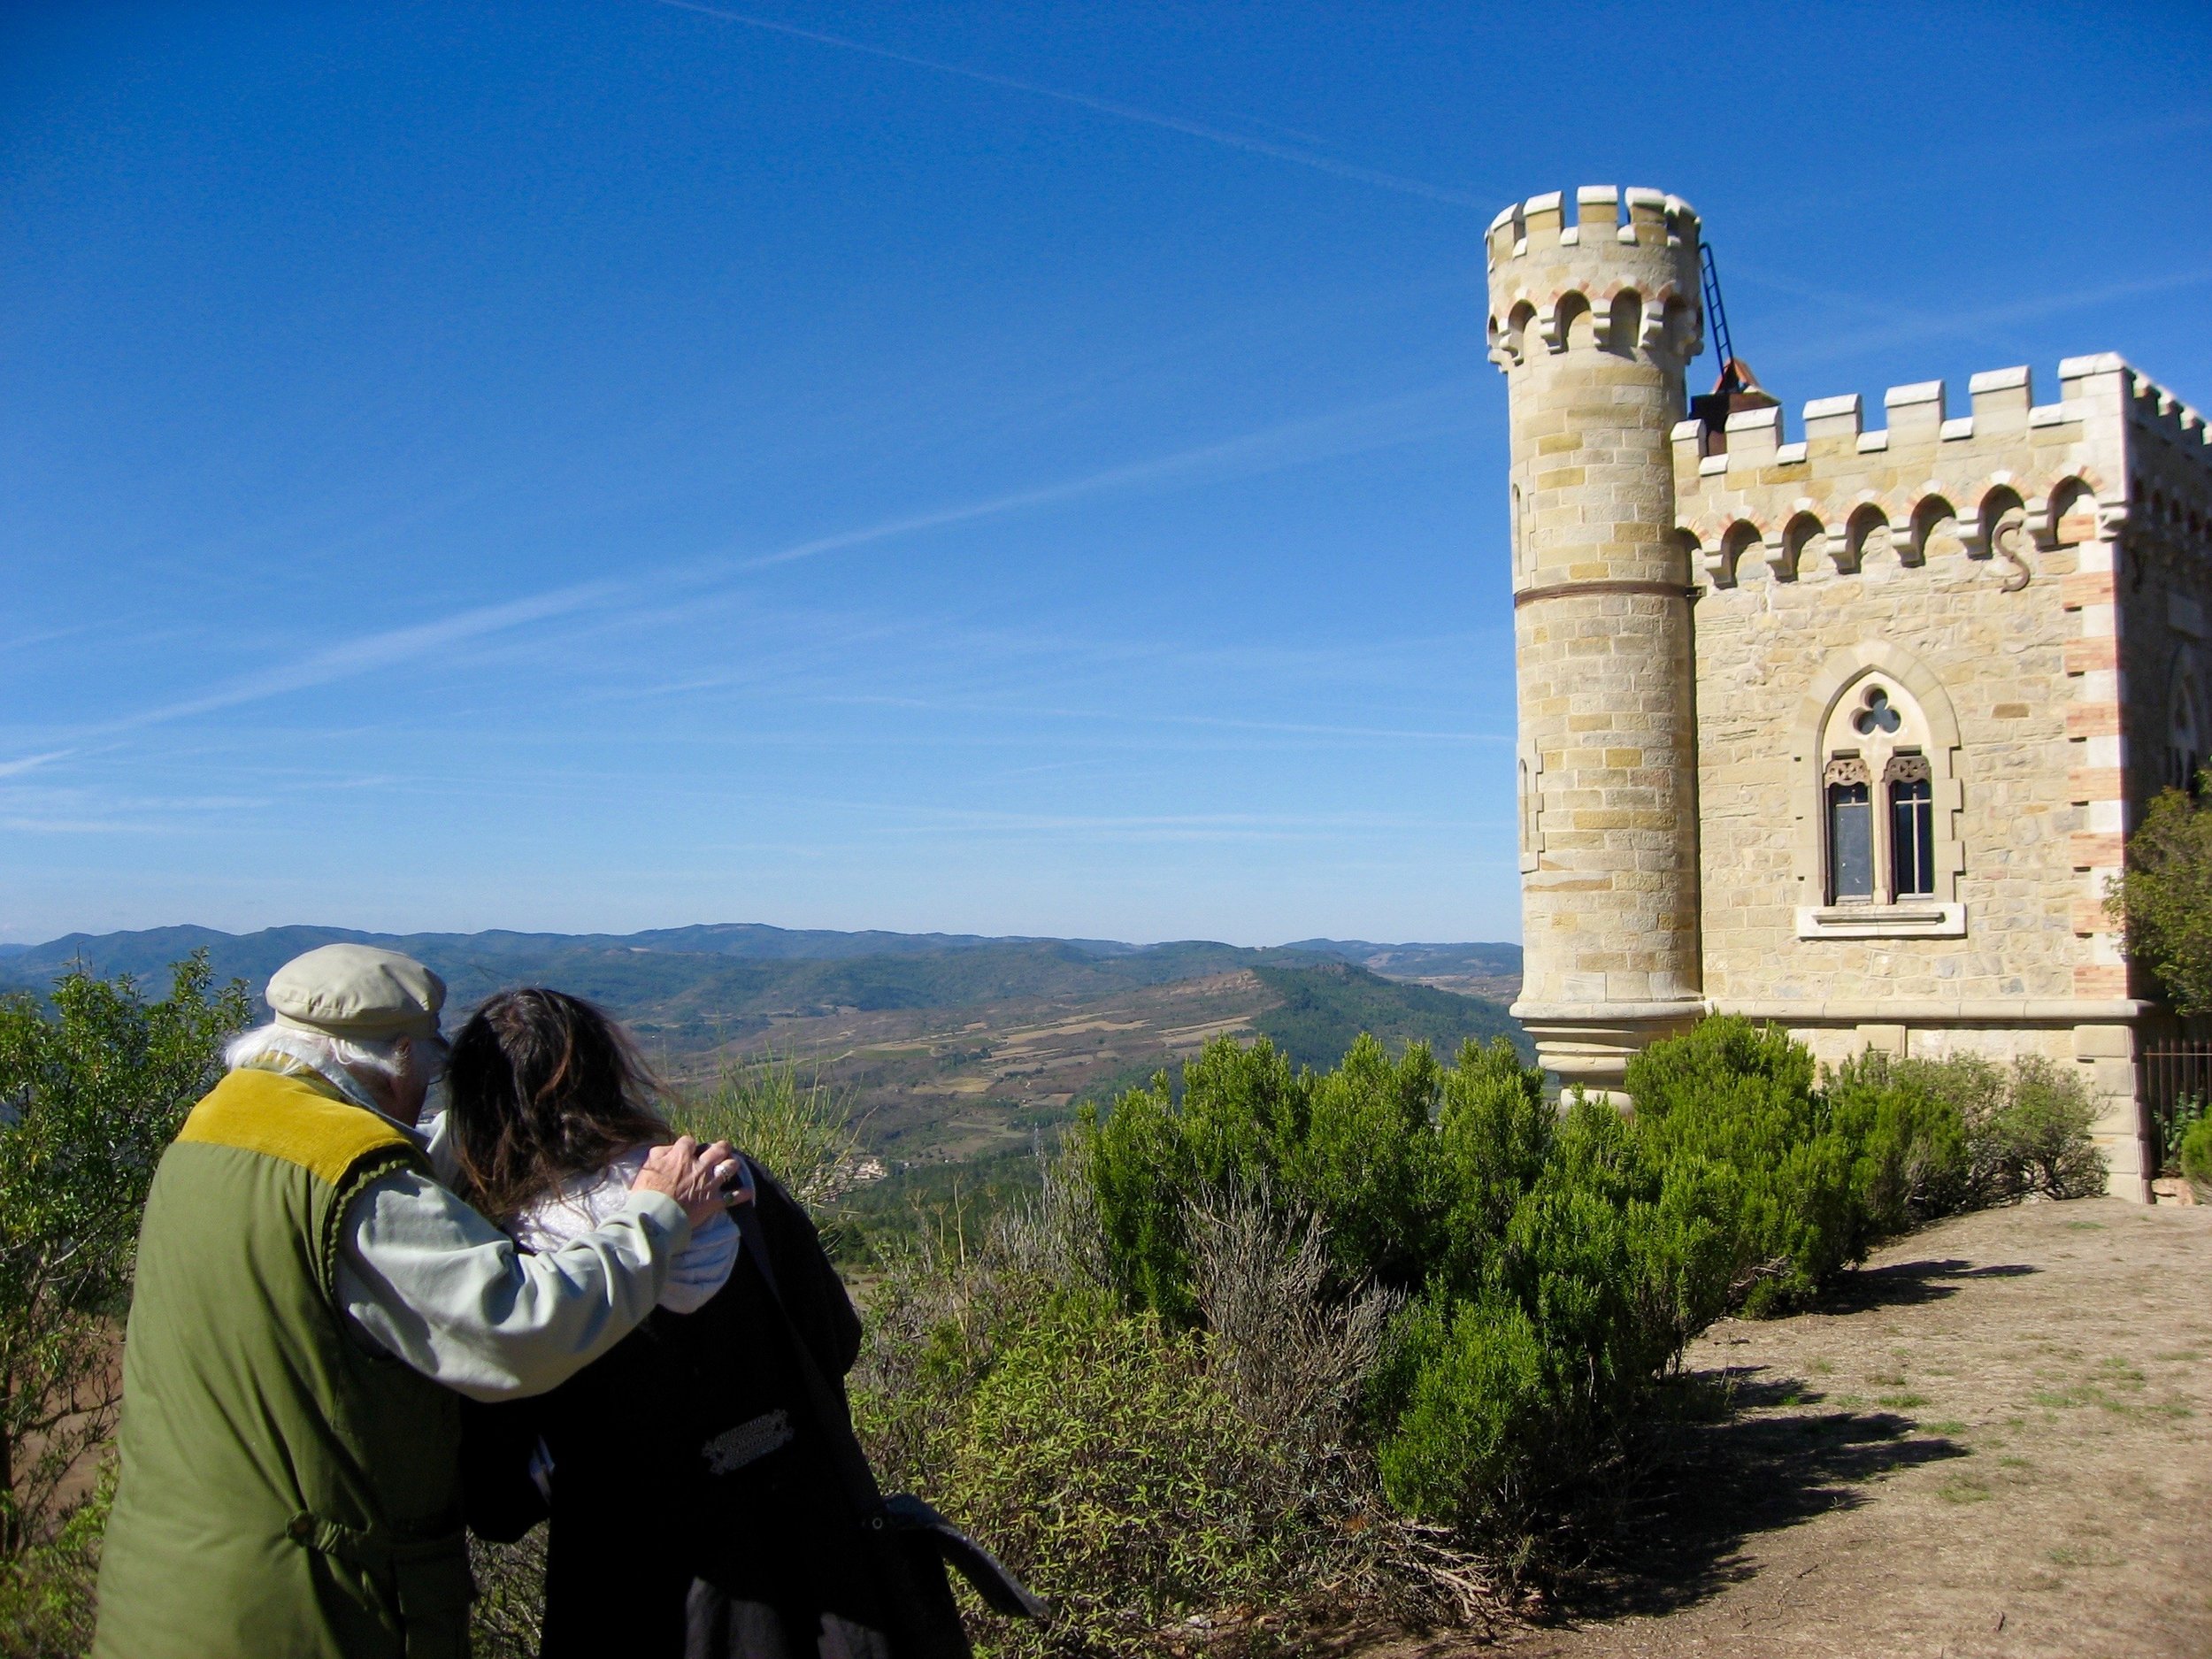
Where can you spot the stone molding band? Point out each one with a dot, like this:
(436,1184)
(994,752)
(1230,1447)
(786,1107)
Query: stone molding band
(2057,1010)
(1561,590)
(1607,1013)
(2054,1010)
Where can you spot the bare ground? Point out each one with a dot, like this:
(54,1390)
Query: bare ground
(1995,1440)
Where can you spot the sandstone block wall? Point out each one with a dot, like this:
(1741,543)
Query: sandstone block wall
(1992,566)
(1806,554)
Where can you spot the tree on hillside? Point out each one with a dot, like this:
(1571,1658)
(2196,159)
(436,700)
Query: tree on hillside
(2163,902)
(92,1089)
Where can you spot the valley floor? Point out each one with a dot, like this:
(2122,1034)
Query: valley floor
(1997,1440)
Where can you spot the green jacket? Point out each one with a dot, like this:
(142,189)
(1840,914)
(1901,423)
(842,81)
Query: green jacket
(287,1492)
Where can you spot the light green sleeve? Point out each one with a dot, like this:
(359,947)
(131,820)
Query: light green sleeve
(436,1284)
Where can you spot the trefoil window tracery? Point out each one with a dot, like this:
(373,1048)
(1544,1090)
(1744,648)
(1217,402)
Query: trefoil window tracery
(1878,800)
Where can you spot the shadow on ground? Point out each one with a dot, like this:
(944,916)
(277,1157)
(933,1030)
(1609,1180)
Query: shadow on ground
(1728,1465)
(1726,1470)
(1909,1283)
(1714,1486)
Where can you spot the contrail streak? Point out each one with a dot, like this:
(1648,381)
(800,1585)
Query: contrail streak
(385,649)
(1264,448)
(1393,181)
(31,763)
(1986,323)
(1343,432)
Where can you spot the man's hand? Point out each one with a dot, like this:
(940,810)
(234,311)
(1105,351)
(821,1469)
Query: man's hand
(696,1178)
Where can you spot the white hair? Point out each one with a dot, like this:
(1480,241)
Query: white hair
(339,1061)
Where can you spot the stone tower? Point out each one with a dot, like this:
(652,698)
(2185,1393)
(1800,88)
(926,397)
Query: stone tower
(1592,324)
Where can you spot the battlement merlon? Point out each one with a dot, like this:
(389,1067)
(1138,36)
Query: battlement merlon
(1545,271)
(1744,484)
(2153,409)
(2001,407)
(1538,224)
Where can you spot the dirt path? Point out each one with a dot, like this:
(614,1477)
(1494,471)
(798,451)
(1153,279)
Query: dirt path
(1996,1441)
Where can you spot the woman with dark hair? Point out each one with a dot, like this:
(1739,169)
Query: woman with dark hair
(551,1110)
(729,1397)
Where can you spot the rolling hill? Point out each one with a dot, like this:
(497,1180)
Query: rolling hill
(948,1046)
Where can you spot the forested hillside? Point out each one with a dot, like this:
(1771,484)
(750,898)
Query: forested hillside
(1323,1009)
(711,984)
(947,1046)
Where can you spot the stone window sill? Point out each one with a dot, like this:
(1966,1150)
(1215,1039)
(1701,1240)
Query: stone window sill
(1911,919)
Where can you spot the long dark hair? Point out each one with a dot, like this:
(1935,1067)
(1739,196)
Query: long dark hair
(545,1086)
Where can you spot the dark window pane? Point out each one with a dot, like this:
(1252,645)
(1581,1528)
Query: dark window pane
(1912,837)
(1850,842)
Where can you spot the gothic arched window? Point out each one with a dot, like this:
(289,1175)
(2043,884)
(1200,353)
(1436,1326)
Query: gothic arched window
(1877,796)
(1910,786)
(1850,829)
(1876,848)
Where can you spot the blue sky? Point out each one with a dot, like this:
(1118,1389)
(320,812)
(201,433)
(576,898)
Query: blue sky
(1001,468)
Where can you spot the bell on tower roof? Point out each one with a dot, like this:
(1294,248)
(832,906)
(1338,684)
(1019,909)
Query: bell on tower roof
(1736,377)
(1735,388)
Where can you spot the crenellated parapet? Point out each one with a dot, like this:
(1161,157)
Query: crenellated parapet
(2159,413)
(2170,470)
(2003,480)
(1626,266)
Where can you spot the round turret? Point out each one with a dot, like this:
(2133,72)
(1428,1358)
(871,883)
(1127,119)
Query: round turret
(1592,324)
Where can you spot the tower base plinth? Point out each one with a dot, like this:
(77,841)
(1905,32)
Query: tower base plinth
(1588,1046)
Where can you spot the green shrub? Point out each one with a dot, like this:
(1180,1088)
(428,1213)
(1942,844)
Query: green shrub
(1972,1089)
(92,1088)
(2024,1128)
(2188,1111)
(1466,1390)
(1495,1133)
(1103,1463)
(1143,1176)
(1553,1267)
(1366,1163)
(1906,1122)
(1354,1146)
(1500,1403)
(1514,1396)
(2163,900)
(1740,1096)
(2041,1132)
(1132,1468)
(46,1599)
(2196,1153)
(1498,1285)
(1245,1112)
(797,1128)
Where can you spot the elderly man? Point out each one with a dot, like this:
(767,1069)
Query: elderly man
(309,1304)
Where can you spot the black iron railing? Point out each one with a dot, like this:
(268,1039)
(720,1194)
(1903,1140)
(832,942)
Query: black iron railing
(2176,1086)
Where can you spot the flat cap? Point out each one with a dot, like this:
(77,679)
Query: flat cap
(358,992)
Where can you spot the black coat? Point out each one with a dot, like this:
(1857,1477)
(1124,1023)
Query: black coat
(694,1467)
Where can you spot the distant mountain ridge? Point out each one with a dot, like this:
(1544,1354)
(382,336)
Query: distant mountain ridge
(134,950)
(725,978)
(1416,960)
(148,950)
(945,1045)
